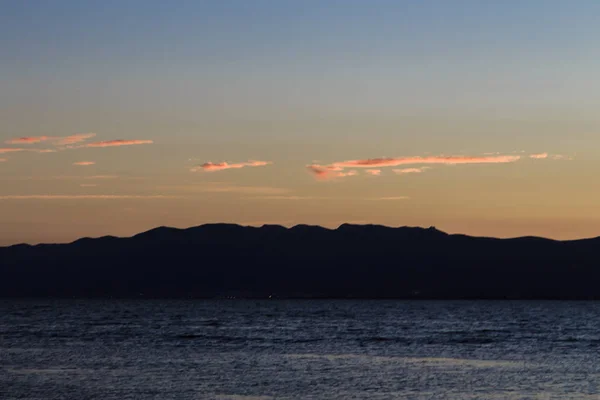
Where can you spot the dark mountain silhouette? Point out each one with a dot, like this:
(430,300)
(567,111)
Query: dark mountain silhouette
(360,261)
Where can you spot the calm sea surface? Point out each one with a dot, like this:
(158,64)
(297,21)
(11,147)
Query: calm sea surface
(299,350)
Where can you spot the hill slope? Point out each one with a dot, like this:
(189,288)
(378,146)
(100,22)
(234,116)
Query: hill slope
(304,261)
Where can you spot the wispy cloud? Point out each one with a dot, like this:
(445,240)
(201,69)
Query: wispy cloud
(410,170)
(62,178)
(117,143)
(74,139)
(290,198)
(221,187)
(4,150)
(392,198)
(328,171)
(84,163)
(2,159)
(83,197)
(448,160)
(88,185)
(374,172)
(212,167)
(101,177)
(560,157)
(28,140)
(539,155)
(337,169)
(56,140)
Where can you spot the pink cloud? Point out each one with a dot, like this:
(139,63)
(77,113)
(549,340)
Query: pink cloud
(374,172)
(539,156)
(2,159)
(335,169)
(212,167)
(448,160)
(410,170)
(116,143)
(84,163)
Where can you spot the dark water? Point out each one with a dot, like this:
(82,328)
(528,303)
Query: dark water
(299,350)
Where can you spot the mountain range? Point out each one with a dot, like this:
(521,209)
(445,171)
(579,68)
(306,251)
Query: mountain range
(352,261)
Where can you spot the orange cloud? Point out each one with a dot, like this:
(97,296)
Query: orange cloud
(410,170)
(84,163)
(2,159)
(374,172)
(539,156)
(212,167)
(116,143)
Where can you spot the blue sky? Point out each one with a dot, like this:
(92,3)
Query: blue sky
(297,82)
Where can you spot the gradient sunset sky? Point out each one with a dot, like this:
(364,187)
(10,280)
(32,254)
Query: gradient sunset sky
(477,117)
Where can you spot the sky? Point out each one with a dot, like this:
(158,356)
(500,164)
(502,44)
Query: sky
(477,117)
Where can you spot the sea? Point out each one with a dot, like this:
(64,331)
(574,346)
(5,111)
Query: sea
(298,349)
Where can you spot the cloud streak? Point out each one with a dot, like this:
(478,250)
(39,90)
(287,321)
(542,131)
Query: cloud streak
(373,165)
(325,172)
(404,171)
(447,160)
(213,167)
(116,143)
(28,140)
(391,198)
(84,197)
(218,187)
(56,140)
(539,156)
(84,163)
(288,198)
(74,139)
(4,150)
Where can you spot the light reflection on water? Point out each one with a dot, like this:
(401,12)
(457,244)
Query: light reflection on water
(298,350)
